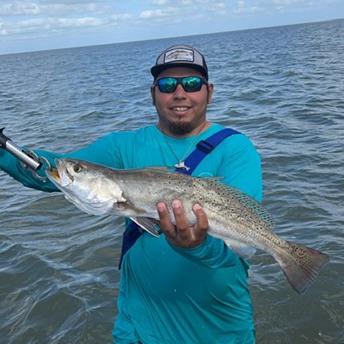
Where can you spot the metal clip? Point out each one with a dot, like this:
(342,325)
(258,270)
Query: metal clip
(39,160)
(29,159)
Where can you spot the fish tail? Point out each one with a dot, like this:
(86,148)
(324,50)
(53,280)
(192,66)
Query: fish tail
(301,265)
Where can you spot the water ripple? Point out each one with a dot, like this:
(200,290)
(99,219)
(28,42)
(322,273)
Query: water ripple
(283,87)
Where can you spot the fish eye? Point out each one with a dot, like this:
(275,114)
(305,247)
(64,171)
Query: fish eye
(77,168)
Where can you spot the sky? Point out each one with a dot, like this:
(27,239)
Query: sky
(53,24)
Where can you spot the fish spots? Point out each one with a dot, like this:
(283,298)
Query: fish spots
(236,218)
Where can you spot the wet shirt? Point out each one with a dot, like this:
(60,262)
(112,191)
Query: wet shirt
(172,295)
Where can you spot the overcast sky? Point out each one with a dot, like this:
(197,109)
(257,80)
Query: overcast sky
(51,24)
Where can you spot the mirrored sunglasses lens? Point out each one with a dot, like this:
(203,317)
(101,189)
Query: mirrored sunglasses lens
(192,84)
(167,85)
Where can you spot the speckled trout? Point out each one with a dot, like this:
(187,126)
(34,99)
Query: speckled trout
(236,218)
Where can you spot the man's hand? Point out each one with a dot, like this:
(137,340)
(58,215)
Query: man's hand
(182,234)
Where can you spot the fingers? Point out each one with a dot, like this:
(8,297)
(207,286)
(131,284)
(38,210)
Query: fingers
(166,224)
(202,224)
(183,230)
(182,234)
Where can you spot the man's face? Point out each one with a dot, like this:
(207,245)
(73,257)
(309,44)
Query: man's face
(181,113)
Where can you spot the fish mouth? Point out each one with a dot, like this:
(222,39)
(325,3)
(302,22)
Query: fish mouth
(60,175)
(55,173)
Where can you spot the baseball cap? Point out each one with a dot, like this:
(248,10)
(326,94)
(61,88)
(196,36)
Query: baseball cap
(180,56)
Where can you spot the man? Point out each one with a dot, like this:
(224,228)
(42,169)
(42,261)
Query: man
(185,287)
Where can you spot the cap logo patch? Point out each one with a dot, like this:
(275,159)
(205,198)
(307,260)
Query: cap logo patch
(179,55)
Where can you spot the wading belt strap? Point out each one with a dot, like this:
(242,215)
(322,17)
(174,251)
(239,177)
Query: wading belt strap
(203,148)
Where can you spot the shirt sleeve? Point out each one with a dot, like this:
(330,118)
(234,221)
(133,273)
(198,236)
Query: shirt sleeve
(241,166)
(102,151)
(212,253)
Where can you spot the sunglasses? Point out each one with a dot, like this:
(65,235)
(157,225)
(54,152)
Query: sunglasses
(189,84)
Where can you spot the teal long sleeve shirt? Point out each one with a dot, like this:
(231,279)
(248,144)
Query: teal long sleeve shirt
(169,294)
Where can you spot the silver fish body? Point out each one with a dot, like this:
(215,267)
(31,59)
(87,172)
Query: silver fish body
(238,219)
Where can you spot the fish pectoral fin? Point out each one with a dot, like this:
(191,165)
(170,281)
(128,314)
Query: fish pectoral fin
(240,249)
(146,223)
(129,208)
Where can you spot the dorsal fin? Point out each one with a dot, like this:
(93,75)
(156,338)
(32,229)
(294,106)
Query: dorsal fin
(249,202)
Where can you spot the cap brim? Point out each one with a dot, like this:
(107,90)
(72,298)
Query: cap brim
(156,70)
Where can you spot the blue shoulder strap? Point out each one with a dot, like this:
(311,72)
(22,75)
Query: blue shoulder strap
(203,148)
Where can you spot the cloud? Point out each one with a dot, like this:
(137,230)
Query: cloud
(242,8)
(79,22)
(123,16)
(21,19)
(286,2)
(158,13)
(160,2)
(42,27)
(19,8)
(220,8)
(54,8)
(138,19)
(151,14)
(72,2)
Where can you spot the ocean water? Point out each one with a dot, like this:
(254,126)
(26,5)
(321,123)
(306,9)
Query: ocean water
(282,86)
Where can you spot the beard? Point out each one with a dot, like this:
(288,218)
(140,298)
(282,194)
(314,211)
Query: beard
(177,128)
(180,129)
